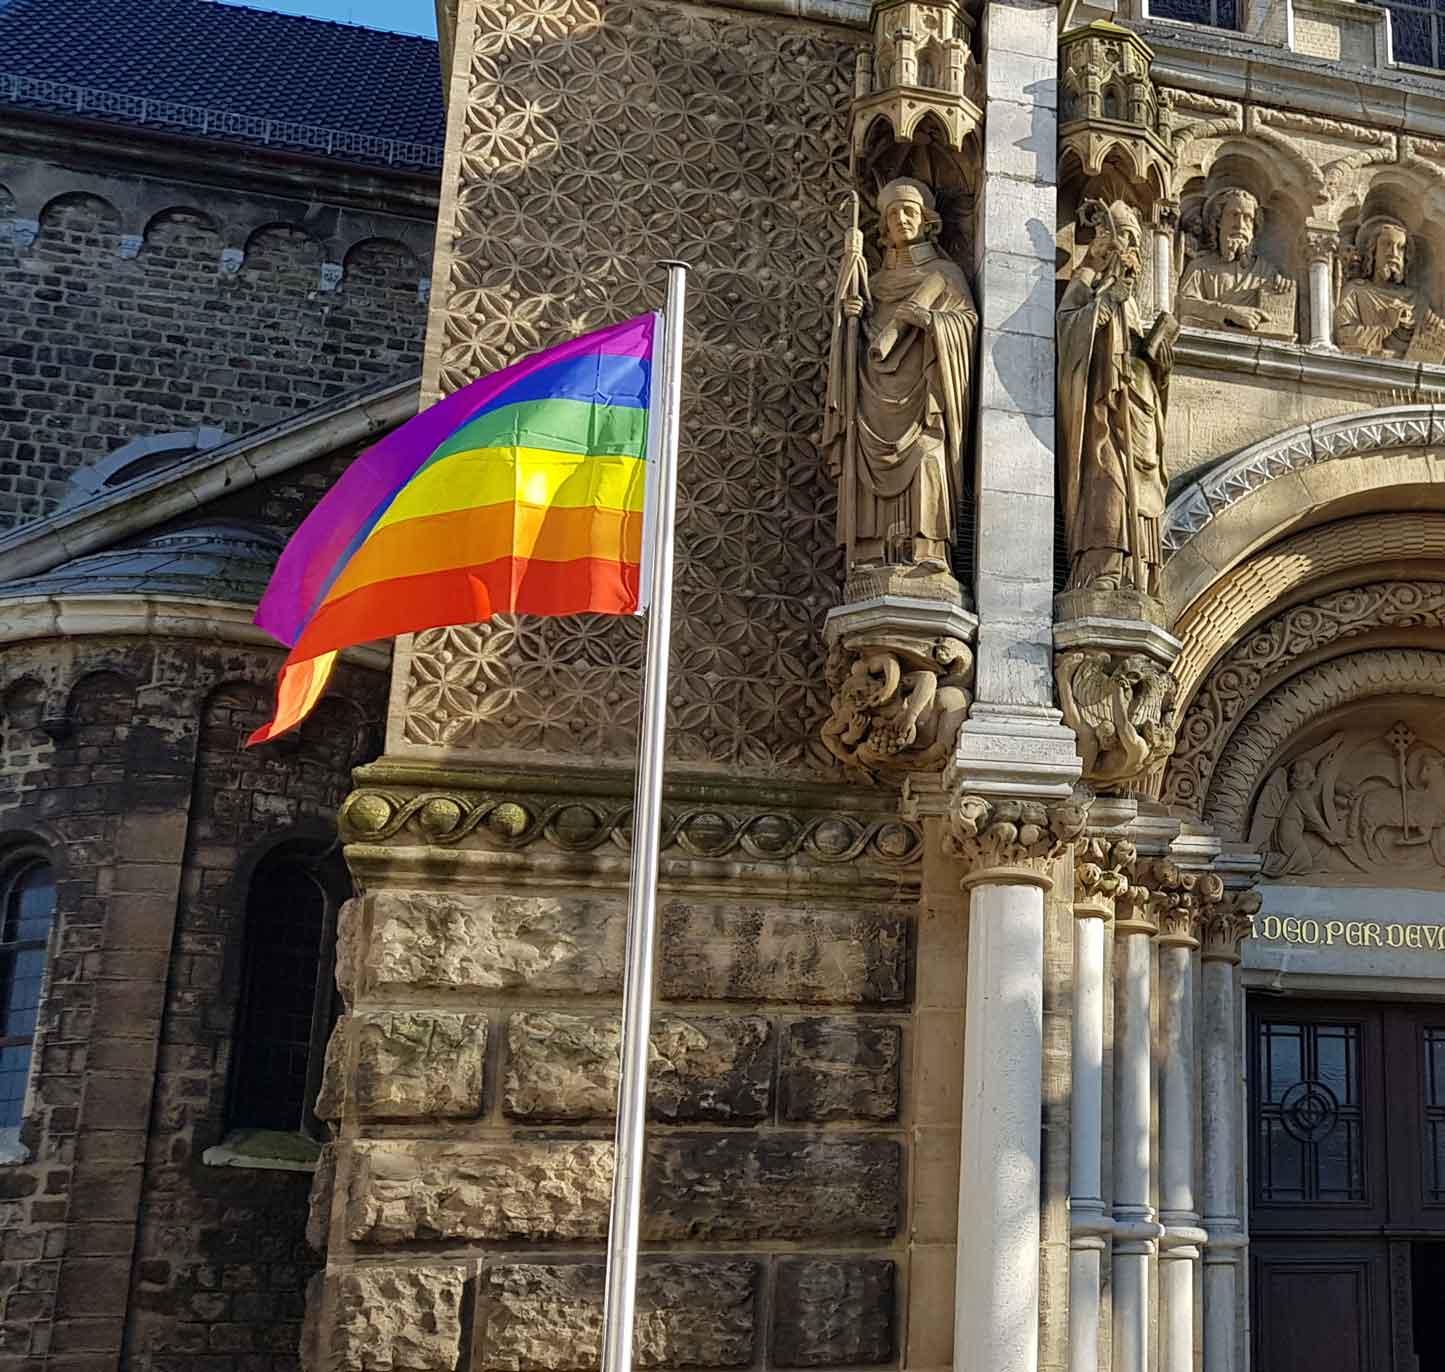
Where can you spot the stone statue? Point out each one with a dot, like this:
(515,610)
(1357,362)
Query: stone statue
(1113,394)
(899,395)
(1380,314)
(1229,285)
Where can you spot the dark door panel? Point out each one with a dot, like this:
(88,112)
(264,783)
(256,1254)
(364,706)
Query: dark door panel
(1320,1305)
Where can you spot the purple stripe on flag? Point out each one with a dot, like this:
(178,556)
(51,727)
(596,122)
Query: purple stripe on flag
(373,479)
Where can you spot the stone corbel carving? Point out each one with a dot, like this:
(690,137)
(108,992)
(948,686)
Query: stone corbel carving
(898,701)
(1121,707)
(1230,284)
(993,835)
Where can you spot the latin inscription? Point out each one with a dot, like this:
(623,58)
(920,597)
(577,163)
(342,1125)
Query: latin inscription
(1353,933)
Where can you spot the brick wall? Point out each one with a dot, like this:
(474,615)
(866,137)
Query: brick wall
(132,306)
(123,758)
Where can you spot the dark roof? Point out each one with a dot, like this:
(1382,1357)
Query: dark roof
(381,90)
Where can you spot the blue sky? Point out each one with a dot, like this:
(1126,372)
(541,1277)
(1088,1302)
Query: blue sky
(401,16)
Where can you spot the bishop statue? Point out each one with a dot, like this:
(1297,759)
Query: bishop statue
(899,389)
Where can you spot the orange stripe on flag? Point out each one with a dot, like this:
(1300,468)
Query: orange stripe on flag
(299,688)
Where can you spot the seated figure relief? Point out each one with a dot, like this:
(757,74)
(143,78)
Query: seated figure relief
(1381,314)
(1230,285)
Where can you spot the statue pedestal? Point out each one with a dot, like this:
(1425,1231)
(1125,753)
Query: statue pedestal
(901,669)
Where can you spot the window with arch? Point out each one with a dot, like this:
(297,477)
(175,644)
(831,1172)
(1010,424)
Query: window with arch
(27,915)
(288,993)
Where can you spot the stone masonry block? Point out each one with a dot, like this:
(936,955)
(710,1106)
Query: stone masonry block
(574,945)
(564,1066)
(739,951)
(840,1069)
(732,1188)
(401,1193)
(396,1319)
(408,1063)
(496,942)
(548,1317)
(831,1312)
(710,1187)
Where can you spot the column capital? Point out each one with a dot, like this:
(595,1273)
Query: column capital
(1103,870)
(1185,902)
(1010,842)
(1319,242)
(1229,923)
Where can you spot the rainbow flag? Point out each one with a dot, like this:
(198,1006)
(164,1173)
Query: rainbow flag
(529,491)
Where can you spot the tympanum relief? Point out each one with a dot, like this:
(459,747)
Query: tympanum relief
(1231,284)
(1382,312)
(1113,398)
(1361,803)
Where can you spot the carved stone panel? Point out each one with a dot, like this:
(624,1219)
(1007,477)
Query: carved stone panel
(730,152)
(1362,802)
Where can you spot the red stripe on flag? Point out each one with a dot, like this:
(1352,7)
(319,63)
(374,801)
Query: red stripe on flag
(470,595)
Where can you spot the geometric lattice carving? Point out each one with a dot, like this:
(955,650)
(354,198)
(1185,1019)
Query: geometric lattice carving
(728,152)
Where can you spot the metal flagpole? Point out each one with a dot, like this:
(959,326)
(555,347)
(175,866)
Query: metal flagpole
(619,1303)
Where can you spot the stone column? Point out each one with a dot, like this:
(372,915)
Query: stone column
(1223,1067)
(1136,1230)
(1006,846)
(1166,221)
(1013,741)
(1183,1238)
(1319,246)
(1098,879)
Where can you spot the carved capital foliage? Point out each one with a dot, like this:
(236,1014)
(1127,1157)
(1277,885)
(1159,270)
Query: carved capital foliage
(1012,839)
(898,702)
(1227,924)
(1121,706)
(511,823)
(1319,244)
(1103,872)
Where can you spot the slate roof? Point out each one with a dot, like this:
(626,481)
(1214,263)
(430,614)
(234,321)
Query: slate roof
(149,62)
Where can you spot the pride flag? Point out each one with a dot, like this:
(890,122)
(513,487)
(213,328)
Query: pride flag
(529,491)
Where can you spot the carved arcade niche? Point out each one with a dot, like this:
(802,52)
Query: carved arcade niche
(1230,283)
(1383,311)
(899,401)
(1115,358)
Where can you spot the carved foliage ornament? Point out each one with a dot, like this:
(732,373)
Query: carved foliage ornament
(1263,657)
(993,834)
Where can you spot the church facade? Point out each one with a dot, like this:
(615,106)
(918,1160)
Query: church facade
(1052,874)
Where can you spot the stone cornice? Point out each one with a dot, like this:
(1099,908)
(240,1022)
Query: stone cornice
(30,618)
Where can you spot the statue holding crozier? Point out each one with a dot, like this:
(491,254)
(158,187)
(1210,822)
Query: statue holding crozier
(899,388)
(1113,396)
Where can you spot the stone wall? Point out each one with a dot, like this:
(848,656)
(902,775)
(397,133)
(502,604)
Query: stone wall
(136,305)
(122,758)
(472,1085)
